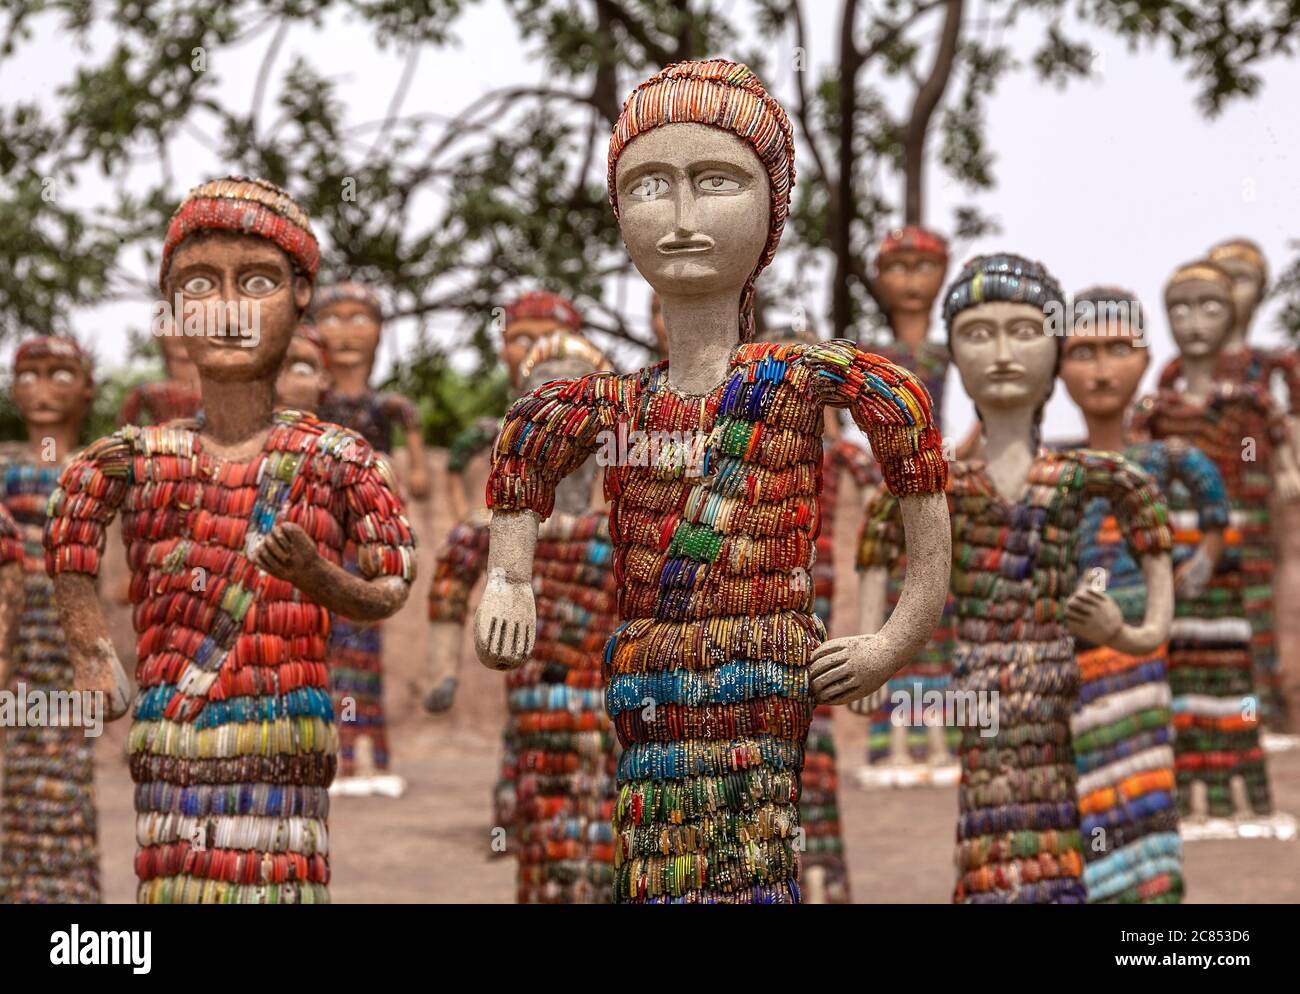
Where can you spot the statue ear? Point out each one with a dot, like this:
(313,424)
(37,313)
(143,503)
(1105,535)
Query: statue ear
(301,293)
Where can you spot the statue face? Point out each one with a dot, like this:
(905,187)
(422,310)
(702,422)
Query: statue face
(909,281)
(240,304)
(52,391)
(1102,371)
(351,333)
(694,205)
(303,377)
(1247,287)
(1004,355)
(176,359)
(519,338)
(1200,317)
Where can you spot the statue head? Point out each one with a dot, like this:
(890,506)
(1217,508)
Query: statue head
(911,264)
(530,317)
(701,164)
(304,377)
(350,320)
(238,265)
(1202,314)
(1105,356)
(1244,262)
(1005,348)
(53,386)
(560,356)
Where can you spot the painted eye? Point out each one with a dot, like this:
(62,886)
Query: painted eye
(259,285)
(1212,307)
(197,286)
(1179,311)
(717,183)
(1027,330)
(26,377)
(359,319)
(329,321)
(1121,350)
(649,188)
(63,377)
(1082,353)
(302,369)
(977,333)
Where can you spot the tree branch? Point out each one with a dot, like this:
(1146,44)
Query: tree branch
(923,108)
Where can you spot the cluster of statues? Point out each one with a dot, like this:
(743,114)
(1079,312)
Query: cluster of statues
(1080,637)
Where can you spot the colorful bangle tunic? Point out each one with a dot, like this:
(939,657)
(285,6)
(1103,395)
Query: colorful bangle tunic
(1211,672)
(1014,568)
(712,560)
(356,652)
(1260,367)
(48,851)
(158,403)
(1122,724)
(819,804)
(233,744)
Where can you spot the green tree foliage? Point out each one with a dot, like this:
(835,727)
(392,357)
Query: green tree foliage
(450,213)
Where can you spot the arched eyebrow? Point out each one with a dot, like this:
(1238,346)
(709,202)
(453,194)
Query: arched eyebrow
(647,169)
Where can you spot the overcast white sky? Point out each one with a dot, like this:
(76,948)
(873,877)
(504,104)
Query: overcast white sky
(1116,180)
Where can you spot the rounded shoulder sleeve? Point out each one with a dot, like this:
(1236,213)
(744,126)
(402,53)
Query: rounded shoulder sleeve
(892,408)
(375,518)
(1135,500)
(549,433)
(89,493)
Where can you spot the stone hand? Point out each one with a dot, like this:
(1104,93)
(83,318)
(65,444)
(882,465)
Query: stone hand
(288,553)
(1191,577)
(1093,616)
(505,626)
(100,671)
(846,669)
(1287,485)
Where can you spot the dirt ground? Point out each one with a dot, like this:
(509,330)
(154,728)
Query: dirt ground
(433,845)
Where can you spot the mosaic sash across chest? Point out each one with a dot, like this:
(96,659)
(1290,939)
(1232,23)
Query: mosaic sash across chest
(233,743)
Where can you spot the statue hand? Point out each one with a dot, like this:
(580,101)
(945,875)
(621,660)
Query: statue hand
(288,553)
(1093,616)
(505,625)
(1191,577)
(847,669)
(1287,485)
(101,672)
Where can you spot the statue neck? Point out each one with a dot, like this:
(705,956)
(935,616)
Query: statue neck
(237,410)
(351,381)
(1106,432)
(910,329)
(1009,449)
(702,332)
(63,436)
(1198,376)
